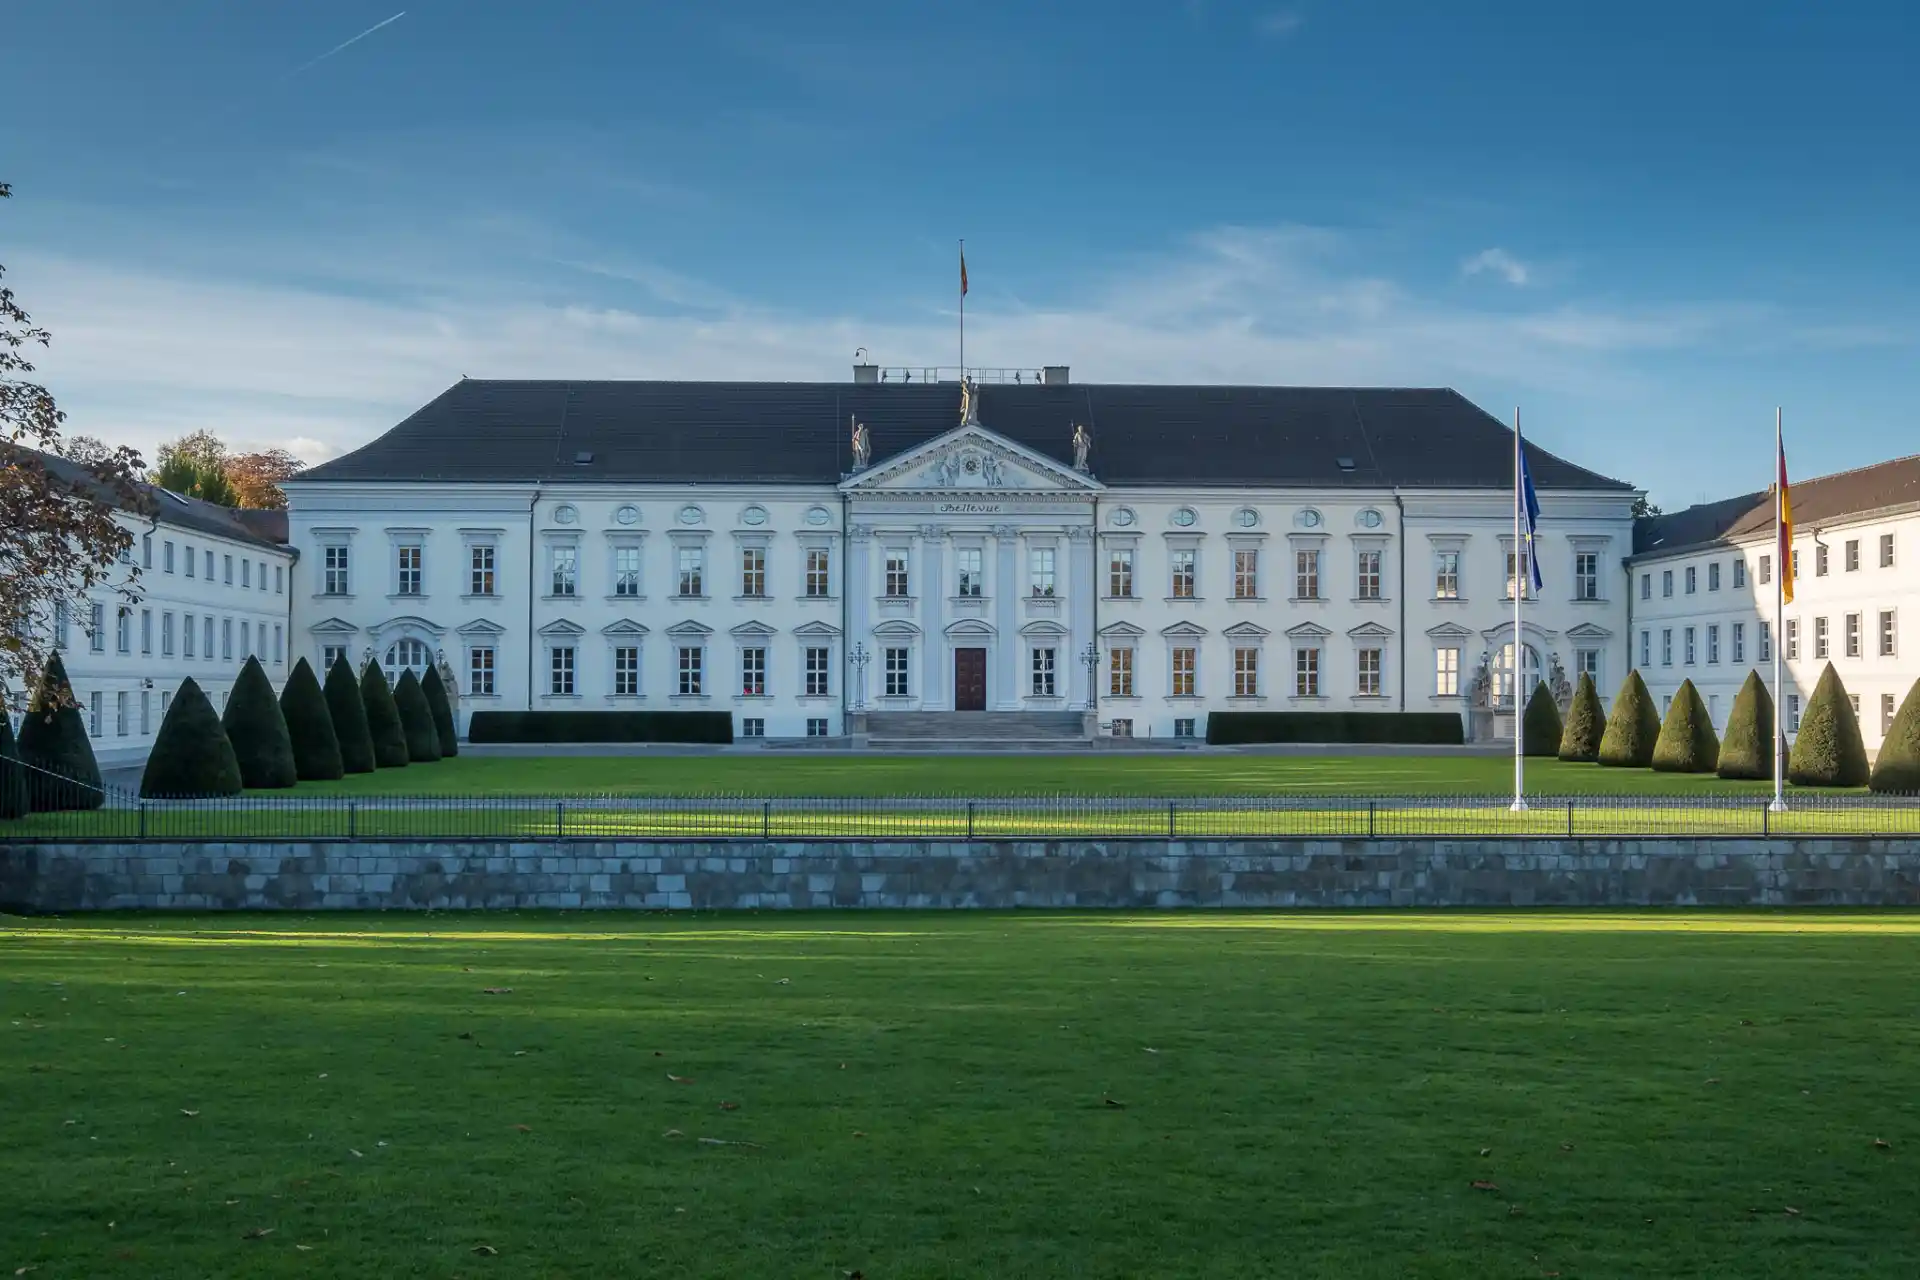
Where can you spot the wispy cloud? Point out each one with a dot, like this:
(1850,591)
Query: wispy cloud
(314,62)
(1280,23)
(1500,263)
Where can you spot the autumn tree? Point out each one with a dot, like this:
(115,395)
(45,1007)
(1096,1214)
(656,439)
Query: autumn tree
(256,477)
(58,535)
(195,466)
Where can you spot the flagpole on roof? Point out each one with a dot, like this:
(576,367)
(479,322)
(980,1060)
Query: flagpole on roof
(1518,666)
(963,311)
(1783,552)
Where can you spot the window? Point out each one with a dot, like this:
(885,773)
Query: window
(209,565)
(1040,570)
(1693,580)
(1689,645)
(1646,586)
(146,713)
(1819,638)
(123,630)
(817,670)
(226,569)
(1853,635)
(1183,727)
(896,582)
(262,577)
(1793,639)
(330,654)
(1246,673)
(626,572)
(1246,575)
(1738,636)
(1852,698)
(1525,576)
(480,570)
(403,655)
(191,559)
(895,664)
(564,576)
(1739,574)
(1446,672)
(753,727)
(1446,575)
(753,572)
(753,673)
(1886,551)
(206,638)
(626,671)
(1120,573)
(1119,673)
(1819,561)
(409,569)
(333,581)
(1666,705)
(166,556)
(1183,574)
(1713,644)
(1646,648)
(246,572)
(1367,684)
(1793,713)
(247,648)
(1043,683)
(94,701)
(60,624)
(279,579)
(1666,647)
(146,551)
(1185,668)
(1886,633)
(1306,575)
(560,671)
(186,635)
(1368,585)
(1853,555)
(972,575)
(1306,673)
(816,726)
(1586,575)
(166,703)
(1766,642)
(1766,570)
(1886,714)
(1503,682)
(690,660)
(1713,576)
(120,714)
(97,628)
(146,631)
(1587,662)
(226,639)
(166,634)
(1713,708)
(480,671)
(1666,582)
(818,582)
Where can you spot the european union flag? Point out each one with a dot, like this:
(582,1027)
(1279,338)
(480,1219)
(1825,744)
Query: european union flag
(1530,517)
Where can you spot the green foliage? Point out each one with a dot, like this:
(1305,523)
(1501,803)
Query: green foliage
(416,719)
(1586,724)
(349,716)
(442,711)
(1687,743)
(53,739)
(1540,727)
(1828,751)
(1747,750)
(1423,728)
(600,726)
(383,719)
(258,731)
(192,755)
(1897,768)
(13,774)
(1632,729)
(316,748)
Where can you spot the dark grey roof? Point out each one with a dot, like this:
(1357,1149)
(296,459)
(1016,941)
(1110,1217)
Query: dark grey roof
(266,528)
(797,432)
(1821,500)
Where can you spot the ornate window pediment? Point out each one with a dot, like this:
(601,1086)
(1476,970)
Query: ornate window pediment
(1308,631)
(624,627)
(563,627)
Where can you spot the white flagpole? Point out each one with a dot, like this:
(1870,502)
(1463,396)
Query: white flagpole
(1518,666)
(1784,554)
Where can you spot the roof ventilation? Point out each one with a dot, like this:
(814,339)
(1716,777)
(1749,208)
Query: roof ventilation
(1345,464)
(582,458)
(866,373)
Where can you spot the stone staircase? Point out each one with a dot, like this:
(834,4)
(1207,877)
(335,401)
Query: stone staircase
(975,730)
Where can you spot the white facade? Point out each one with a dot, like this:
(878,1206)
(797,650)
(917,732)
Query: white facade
(1706,613)
(967,572)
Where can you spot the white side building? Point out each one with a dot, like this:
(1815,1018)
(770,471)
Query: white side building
(1704,594)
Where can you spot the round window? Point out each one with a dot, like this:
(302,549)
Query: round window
(627,515)
(565,514)
(754,515)
(1370,519)
(1308,518)
(1123,517)
(1184,517)
(817,516)
(1246,517)
(691,514)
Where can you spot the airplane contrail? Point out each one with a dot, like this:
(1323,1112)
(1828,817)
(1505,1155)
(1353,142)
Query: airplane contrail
(344,43)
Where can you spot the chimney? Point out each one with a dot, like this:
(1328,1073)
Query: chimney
(1053,375)
(866,373)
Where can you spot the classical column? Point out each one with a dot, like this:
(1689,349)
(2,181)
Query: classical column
(1005,675)
(1080,589)
(936,674)
(857,582)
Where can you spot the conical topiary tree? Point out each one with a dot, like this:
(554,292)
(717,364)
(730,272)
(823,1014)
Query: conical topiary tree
(62,772)
(1632,729)
(442,710)
(13,774)
(349,716)
(383,719)
(1747,750)
(416,719)
(1540,726)
(258,731)
(1586,724)
(316,749)
(192,755)
(1896,769)
(1827,751)
(1687,743)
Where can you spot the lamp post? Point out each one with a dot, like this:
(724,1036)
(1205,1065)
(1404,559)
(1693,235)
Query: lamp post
(858,660)
(1091,656)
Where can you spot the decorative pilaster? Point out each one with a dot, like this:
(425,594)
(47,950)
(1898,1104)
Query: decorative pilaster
(936,668)
(857,582)
(1080,593)
(1005,675)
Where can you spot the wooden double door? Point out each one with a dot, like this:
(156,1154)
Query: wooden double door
(969,679)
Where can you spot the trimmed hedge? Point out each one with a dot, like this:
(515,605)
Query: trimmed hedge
(1747,750)
(600,726)
(383,719)
(1897,768)
(442,713)
(416,719)
(1687,743)
(1827,751)
(1418,728)
(349,715)
(192,756)
(316,748)
(258,731)
(1586,724)
(13,774)
(53,738)
(1632,729)
(1540,726)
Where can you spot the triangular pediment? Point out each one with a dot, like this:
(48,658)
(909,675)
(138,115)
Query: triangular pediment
(972,459)
(1589,631)
(1370,631)
(624,627)
(562,627)
(481,627)
(1245,631)
(1308,631)
(333,627)
(1448,631)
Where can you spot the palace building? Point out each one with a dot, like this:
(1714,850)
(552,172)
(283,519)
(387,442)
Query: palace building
(813,557)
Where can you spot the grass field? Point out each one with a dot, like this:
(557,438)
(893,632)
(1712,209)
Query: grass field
(960,1095)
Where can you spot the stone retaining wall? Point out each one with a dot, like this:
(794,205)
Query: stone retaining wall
(1110,873)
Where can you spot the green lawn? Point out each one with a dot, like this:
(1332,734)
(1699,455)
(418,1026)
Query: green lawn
(935,1096)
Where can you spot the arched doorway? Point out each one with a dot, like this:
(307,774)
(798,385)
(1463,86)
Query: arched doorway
(406,654)
(1503,674)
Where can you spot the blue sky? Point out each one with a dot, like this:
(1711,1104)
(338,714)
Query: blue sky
(1645,225)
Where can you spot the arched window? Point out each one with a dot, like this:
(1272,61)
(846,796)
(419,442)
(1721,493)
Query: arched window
(408,654)
(1503,674)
